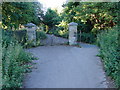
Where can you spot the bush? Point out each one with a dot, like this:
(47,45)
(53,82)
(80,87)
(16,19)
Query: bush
(40,35)
(14,62)
(87,37)
(19,35)
(109,52)
(61,33)
(22,38)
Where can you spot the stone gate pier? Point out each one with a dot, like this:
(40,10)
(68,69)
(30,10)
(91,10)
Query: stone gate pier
(73,33)
(31,33)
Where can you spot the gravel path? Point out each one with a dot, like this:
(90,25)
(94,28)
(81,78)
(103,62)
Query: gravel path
(66,67)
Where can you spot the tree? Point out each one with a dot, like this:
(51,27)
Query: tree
(96,15)
(16,13)
(51,18)
(39,13)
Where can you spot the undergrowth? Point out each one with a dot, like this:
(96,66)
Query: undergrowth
(110,53)
(14,62)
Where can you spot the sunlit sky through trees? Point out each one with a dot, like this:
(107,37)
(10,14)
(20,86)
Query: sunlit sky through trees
(52,4)
(57,4)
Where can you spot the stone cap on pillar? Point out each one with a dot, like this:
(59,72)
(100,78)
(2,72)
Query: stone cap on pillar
(30,25)
(72,24)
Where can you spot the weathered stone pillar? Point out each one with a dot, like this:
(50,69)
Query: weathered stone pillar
(31,33)
(73,33)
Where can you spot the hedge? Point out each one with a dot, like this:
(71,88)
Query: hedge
(108,41)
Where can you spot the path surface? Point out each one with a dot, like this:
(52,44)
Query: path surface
(66,67)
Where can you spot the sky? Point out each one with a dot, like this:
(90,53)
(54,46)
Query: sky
(52,4)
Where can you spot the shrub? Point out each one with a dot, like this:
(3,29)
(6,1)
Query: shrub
(61,33)
(14,62)
(19,35)
(87,37)
(40,35)
(109,52)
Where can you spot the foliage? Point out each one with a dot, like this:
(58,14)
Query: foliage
(99,15)
(63,25)
(51,18)
(62,30)
(87,37)
(92,17)
(40,35)
(14,62)
(19,35)
(61,33)
(16,13)
(109,52)
(22,38)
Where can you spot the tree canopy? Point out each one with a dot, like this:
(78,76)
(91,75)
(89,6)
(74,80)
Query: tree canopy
(51,18)
(16,13)
(99,15)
